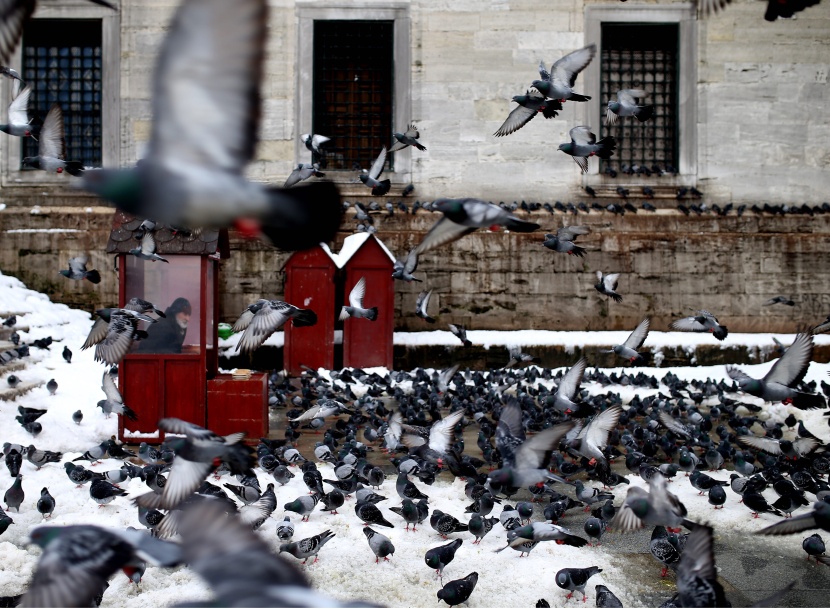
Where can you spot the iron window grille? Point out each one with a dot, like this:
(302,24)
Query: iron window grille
(61,59)
(642,56)
(353,81)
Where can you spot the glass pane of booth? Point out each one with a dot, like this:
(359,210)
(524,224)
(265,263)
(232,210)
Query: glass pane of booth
(174,288)
(209,305)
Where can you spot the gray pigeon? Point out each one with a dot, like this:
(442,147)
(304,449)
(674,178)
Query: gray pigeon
(381,545)
(408,138)
(626,105)
(628,349)
(697,578)
(303,171)
(46,503)
(41,458)
(542,532)
(658,506)
(77,271)
(370,514)
(703,322)
(262,319)
(113,402)
(407,490)
(403,270)
(529,105)
(315,143)
(460,331)
(51,147)
(606,599)
(422,305)
(409,512)
(256,513)
(304,505)
(584,144)
(568,388)
(558,83)
(20,124)
(370,178)
(607,285)
(307,547)
(575,579)
(780,383)
(118,335)
(14,495)
(463,216)
(147,249)
(593,437)
(779,299)
(355,307)
(563,241)
(193,173)
(285,530)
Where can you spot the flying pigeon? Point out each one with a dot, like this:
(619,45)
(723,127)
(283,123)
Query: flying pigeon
(575,579)
(568,388)
(458,591)
(558,83)
(791,449)
(658,506)
(703,322)
(19,122)
(77,271)
(51,151)
(818,518)
(626,105)
(593,437)
(403,270)
(381,546)
(607,285)
(436,446)
(316,143)
(780,383)
(779,299)
(628,349)
(408,138)
(529,105)
(303,171)
(355,307)
(460,331)
(262,319)
(421,306)
(193,173)
(325,407)
(697,578)
(307,547)
(370,178)
(121,331)
(463,216)
(584,144)
(517,356)
(564,239)
(257,512)
(147,250)
(10,72)
(113,402)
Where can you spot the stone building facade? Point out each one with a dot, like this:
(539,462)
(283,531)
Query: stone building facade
(752,125)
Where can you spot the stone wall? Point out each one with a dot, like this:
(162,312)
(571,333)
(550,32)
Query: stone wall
(669,263)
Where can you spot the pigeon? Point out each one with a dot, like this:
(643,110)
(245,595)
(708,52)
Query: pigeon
(78,474)
(606,599)
(814,547)
(408,138)
(439,557)
(381,546)
(480,526)
(713,458)
(607,285)
(522,459)
(14,460)
(303,505)
(697,580)
(5,521)
(584,144)
(104,492)
(332,501)
(46,503)
(67,354)
(541,532)
(779,299)
(325,407)
(77,271)
(704,322)
(569,387)
(780,383)
(52,387)
(13,381)
(446,524)
(147,249)
(626,105)
(628,349)
(285,530)
(118,335)
(403,270)
(41,458)
(458,591)
(248,491)
(717,496)
(407,490)
(370,178)
(558,83)
(817,518)
(257,512)
(196,454)
(421,306)
(307,547)
(113,402)
(315,143)
(665,548)
(790,449)
(51,147)
(463,216)
(563,241)
(303,171)
(575,579)
(370,514)
(20,124)
(355,307)
(193,173)
(262,319)
(595,528)
(658,506)
(703,482)
(94,454)
(529,105)
(435,447)
(14,495)
(460,331)
(591,495)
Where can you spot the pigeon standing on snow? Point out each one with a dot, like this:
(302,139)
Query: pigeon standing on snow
(370,178)
(558,83)
(780,383)
(564,239)
(607,285)
(575,579)
(46,503)
(52,387)
(41,458)
(703,322)
(104,492)
(14,460)
(381,545)
(304,505)
(370,514)
(285,530)
(51,151)
(584,144)
(606,599)
(193,173)
(355,307)
(438,557)
(5,521)
(307,547)
(409,512)
(77,271)
(458,591)
(626,105)
(14,495)
(67,354)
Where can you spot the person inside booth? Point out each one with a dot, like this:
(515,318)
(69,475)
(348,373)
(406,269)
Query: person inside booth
(167,335)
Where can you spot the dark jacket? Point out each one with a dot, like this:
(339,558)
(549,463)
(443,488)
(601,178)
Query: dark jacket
(163,337)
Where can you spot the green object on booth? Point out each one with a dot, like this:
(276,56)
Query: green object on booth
(225,330)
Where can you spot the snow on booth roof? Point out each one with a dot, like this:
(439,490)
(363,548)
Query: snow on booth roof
(350,246)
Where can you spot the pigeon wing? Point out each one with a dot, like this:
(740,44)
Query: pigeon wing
(51,142)
(78,265)
(118,340)
(770,445)
(532,453)
(689,324)
(543,71)
(610,281)
(638,335)
(97,333)
(697,559)
(628,97)
(110,389)
(805,445)
(582,135)
(737,374)
(13,14)
(626,520)
(206,101)
(565,70)
(672,424)
(60,582)
(794,525)
(148,244)
(596,432)
(570,233)
(422,302)
(244,321)
(377,166)
(185,478)
(440,434)
(265,322)
(518,118)
(357,293)
(790,368)
(570,382)
(442,232)
(19,108)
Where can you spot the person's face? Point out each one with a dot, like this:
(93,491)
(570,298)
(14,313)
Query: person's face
(182,318)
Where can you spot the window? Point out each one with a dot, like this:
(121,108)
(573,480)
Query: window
(71,54)
(641,56)
(653,47)
(354,84)
(63,65)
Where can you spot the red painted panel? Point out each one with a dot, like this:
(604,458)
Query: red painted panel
(309,283)
(238,405)
(184,389)
(368,343)
(141,390)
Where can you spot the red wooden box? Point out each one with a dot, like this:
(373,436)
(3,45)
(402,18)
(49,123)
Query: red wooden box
(238,405)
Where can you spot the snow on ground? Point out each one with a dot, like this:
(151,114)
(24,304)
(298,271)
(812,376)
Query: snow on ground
(346,569)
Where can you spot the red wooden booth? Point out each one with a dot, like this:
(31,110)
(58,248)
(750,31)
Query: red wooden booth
(159,378)
(367,343)
(310,284)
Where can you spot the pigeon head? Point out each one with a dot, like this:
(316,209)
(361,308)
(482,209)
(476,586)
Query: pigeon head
(121,187)
(562,578)
(45,535)
(639,507)
(451,208)
(33,162)
(567,147)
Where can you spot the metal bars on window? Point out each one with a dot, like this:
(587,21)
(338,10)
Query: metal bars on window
(642,56)
(353,85)
(61,59)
